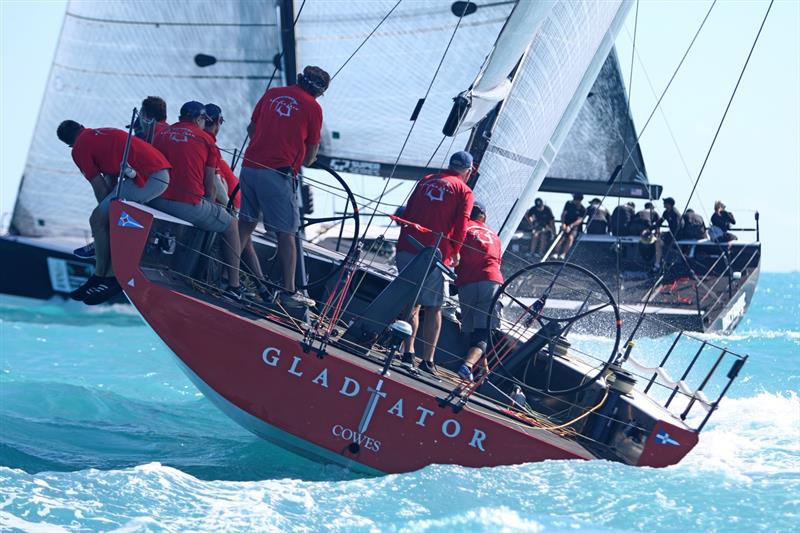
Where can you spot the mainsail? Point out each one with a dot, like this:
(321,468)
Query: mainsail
(110,56)
(601,145)
(549,88)
(374,96)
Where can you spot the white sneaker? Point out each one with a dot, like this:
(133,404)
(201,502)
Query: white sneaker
(296,299)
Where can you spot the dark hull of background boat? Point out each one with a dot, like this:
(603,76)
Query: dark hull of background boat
(42,269)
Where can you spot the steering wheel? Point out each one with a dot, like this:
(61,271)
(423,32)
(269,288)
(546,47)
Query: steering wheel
(551,299)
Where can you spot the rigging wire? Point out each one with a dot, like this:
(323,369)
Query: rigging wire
(414,122)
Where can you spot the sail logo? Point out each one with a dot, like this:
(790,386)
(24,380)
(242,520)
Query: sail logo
(662,437)
(284,105)
(127,221)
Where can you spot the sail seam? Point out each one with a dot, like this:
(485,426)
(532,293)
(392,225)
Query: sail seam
(508,154)
(160,23)
(176,76)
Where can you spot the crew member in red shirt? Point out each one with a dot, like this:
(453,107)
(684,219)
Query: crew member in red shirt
(152,118)
(478,279)
(284,135)
(226,180)
(98,154)
(442,203)
(190,195)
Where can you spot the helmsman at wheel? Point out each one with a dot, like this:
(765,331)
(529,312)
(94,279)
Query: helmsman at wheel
(442,204)
(478,278)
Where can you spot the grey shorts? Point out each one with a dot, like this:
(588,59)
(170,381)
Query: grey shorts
(432,293)
(475,299)
(271,194)
(153,187)
(208,216)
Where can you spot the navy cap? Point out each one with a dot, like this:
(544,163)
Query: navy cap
(538,201)
(461,160)
(479,206)
(192,109)
(213,112)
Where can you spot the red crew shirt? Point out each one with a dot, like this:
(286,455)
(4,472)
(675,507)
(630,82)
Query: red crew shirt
(227,175)
(100,150)
(480,255)
(442,203)
(190,150)
(286,120)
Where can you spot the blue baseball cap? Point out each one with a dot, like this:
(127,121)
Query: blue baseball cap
(461,160)
(192,109)
(479,206)
(214,113)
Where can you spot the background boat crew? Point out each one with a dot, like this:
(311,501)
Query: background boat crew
(597,217)
(673,219)
(478,278)
(190,195)
(441,203)
(721,222)
(543,226)
(571,224)
(643,221)
(693,227)
(98,154)
(621,219)
(284,135)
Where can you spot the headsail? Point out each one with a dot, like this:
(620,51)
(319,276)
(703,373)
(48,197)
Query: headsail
(373,97)
(601,144)
(549,87)
(110,56)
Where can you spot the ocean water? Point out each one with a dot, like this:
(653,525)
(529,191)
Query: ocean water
(99,430)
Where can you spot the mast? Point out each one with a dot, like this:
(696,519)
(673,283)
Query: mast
(288,42)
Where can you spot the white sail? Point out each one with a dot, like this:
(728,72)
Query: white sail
(548,91)
(110,56)
(372,99)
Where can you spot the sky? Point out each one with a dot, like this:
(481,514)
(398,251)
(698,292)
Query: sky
(755,162)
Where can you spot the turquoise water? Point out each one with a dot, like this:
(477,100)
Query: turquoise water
(99,430)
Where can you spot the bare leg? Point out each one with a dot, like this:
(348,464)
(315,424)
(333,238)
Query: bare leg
(473,355)
(535,236)
(250,258)
(408,344)
(430,332)
(231,252)
(287,254)
(102,246)
(659,251)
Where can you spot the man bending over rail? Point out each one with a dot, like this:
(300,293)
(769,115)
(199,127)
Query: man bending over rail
(284,135)
(441,203)
(190,195)
(98,154)
(478,279)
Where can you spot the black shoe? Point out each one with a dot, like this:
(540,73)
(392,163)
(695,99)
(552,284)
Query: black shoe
(80,293)
(234,293)
(265,294)
(430,368)
(103,291)
(407,359)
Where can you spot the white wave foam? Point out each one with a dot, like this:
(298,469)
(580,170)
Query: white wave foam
(752,437)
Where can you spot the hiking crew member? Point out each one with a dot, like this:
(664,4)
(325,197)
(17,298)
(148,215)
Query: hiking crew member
(621,219)
(441,203)
(693,228)
(98,154)
(571,224)
(543,226)
(226,180)
(643,222)
(190,195)
(673,219)
(721,222)
(152,118)
(478,278)
(598,218)
(284,135)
